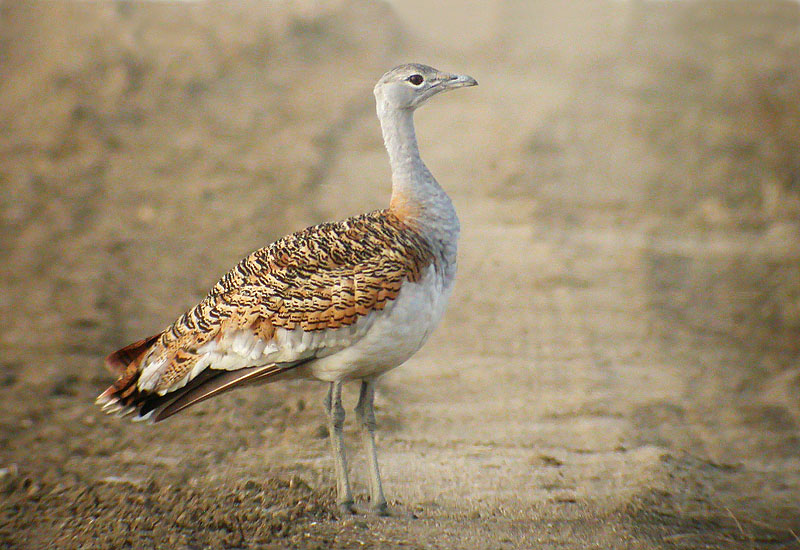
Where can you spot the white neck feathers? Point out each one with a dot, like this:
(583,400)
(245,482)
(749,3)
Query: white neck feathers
(417,197)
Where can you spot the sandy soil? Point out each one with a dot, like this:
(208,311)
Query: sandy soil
(619,365)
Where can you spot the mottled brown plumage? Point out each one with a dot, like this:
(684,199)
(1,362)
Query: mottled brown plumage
(323,277)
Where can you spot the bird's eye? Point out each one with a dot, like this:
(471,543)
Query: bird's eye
(416,79)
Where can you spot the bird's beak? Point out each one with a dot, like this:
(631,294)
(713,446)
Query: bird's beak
(458,81)
(445,82)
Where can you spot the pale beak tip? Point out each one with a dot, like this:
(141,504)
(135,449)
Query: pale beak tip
(461,81)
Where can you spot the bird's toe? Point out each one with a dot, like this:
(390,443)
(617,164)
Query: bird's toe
(346,509)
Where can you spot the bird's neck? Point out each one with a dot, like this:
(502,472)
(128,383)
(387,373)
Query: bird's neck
(417,197)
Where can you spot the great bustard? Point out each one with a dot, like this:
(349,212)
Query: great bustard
(339,301)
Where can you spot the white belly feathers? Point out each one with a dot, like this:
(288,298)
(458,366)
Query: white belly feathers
(393,334)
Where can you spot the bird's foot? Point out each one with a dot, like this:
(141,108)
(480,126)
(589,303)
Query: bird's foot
(379,508)
(346,508)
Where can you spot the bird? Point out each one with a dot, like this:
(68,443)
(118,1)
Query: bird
(337,302)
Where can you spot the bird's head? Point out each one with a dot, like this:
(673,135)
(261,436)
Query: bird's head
(409,86)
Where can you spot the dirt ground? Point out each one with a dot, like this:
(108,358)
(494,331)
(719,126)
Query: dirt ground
(619,364)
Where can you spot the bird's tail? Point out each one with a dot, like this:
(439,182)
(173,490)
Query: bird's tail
(124,398)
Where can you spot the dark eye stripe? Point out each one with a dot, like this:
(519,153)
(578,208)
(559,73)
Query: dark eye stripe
(416,79)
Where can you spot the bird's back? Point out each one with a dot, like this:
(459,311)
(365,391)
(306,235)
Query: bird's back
(308,296)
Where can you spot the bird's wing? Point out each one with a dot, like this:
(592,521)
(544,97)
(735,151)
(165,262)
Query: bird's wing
(298,299)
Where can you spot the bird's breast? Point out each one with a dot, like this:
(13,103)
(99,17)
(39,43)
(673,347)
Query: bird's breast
(393,334)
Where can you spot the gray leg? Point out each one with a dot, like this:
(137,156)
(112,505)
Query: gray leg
(366,419)
(333,406)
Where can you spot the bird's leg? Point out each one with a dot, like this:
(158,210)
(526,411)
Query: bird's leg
(333,406)
(366,419)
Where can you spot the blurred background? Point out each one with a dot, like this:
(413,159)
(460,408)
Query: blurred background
(618,367)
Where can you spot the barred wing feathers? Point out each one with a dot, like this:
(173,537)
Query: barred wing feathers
(283,305)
